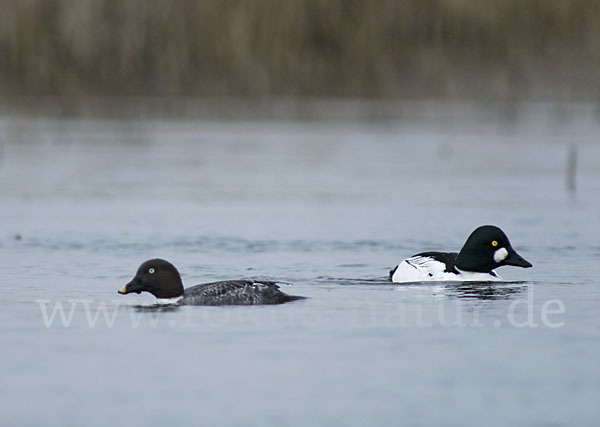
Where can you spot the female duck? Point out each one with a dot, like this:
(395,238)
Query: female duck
(161,279)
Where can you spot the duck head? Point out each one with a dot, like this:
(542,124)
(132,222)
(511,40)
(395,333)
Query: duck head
(158,277)
(488,248)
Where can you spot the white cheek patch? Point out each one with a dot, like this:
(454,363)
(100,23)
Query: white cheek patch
(500,255)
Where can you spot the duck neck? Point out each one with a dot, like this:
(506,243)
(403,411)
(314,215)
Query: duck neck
(472,261)
(173,289)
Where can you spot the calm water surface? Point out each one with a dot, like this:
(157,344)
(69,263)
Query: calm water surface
(327,207)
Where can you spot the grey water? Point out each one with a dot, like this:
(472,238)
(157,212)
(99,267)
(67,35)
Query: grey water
(329,207)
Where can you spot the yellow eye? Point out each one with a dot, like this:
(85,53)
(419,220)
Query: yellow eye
(494,243)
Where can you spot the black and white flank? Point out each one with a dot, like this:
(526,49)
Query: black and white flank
(486,249)
(161,279)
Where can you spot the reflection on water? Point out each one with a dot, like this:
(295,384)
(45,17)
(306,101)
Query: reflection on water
(486,290)
(156,308)
(464,290)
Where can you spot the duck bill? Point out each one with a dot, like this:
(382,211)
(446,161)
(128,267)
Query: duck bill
(517,260)
(134,286)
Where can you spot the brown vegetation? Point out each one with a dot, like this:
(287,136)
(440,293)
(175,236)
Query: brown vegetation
(497,49)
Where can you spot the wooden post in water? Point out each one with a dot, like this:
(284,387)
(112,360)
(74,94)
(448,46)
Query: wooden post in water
(571,167)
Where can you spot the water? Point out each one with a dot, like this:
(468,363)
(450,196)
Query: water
(329,207)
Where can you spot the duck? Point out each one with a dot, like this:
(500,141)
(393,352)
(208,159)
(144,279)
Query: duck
(486,249)
(161,279)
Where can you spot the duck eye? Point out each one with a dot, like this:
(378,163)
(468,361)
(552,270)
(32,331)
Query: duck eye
(151,270)
(494,243)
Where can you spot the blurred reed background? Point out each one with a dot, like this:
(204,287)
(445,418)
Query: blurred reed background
(391,49)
